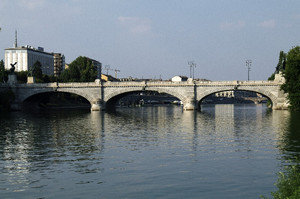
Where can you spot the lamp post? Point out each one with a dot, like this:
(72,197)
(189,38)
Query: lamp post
(116,70)
(248,65)
(107,68)
(192,66)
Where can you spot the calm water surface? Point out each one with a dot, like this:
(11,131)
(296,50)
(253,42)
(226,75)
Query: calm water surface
(225,151)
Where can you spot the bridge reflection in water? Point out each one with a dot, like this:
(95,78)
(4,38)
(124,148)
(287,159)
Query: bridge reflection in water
(226,151)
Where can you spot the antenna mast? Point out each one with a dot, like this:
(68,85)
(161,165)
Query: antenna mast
(16,39)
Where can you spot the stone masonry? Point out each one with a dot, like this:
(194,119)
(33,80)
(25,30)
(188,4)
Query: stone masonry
(191,93)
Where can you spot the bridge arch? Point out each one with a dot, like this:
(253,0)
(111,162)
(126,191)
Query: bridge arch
(114,96)
(258,90)
(31,94)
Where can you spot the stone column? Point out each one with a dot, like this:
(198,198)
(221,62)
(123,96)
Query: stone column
(96,105)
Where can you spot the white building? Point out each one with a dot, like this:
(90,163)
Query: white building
(27,56)
(179,78)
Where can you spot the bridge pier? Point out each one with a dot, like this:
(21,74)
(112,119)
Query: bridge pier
(96,105)
(189,104)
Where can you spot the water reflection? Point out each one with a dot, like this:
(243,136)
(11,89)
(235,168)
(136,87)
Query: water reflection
(223,151)
(289,139)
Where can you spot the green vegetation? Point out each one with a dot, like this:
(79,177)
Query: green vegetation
(289,66)
(3,73)
(36,71)
(22,76)
(280,66)
(80,70)
(288,183)
(292,77)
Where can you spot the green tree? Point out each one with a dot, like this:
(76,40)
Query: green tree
(280,66)
(37,70)
(2,71)
(272,77)
(292,77)
(281,63)
(288,183)
(22,76)
(80,70)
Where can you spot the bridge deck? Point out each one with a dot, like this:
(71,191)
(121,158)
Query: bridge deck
(146,83)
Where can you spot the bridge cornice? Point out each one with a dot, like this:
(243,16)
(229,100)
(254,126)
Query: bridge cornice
(148,84)
(234,83)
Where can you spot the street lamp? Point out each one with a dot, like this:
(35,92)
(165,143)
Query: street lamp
(107,68)
(192,66)
(248,65)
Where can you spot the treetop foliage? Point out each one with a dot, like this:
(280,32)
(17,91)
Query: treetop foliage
(292,77)
(280,66)
(80,70)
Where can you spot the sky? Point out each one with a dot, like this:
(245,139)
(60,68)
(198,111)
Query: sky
(157,38)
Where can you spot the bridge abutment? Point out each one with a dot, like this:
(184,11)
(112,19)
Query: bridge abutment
(282,102)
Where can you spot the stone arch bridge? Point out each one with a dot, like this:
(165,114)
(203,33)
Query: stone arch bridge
(191,93)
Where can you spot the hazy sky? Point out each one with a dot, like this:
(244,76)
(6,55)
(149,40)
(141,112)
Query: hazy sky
(153,38)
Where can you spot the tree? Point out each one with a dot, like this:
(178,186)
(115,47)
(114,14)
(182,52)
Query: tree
(280,66)
(292,77)
(22,76)
(281,63)
(2,71)
(80,70)
(37,70)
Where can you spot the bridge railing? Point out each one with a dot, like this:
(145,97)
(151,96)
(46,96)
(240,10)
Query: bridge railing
(146,83)
(235,82)
(55,84)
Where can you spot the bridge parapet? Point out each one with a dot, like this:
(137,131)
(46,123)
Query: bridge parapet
(79,84)
(236,82)
(147,83)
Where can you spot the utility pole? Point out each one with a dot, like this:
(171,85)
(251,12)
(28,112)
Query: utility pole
(107,68)
(194,70)
(192,66)
(248,65)
(116,70)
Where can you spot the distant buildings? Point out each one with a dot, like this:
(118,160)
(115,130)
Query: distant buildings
(107,78)
(98,66)
(59,63)
(179,78)
(27,56)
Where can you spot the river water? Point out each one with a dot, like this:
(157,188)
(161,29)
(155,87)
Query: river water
(224,151)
